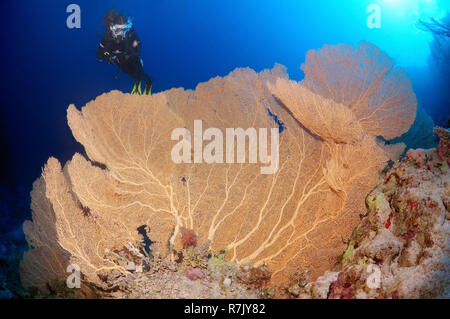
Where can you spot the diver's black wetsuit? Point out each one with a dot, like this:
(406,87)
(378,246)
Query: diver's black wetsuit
(121,52)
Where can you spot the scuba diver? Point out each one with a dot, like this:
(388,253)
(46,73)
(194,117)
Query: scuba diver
(121,46)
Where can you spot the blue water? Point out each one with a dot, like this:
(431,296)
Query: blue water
(46,66)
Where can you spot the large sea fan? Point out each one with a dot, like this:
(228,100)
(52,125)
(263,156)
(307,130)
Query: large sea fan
(291,220)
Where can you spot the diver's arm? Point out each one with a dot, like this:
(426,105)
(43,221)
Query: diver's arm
(101,52)
(134,44)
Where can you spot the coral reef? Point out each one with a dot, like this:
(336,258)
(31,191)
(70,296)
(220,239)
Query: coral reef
(401,248)
(194,274)
(443,149)
(90,211)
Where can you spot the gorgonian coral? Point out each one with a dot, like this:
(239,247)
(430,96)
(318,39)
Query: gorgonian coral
(364,79)
(290,220)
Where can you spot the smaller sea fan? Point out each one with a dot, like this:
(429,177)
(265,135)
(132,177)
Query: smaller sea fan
(188,238)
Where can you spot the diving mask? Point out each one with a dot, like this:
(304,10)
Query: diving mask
(120,30)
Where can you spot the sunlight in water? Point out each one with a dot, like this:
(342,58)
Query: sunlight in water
(401,35)
(417,9)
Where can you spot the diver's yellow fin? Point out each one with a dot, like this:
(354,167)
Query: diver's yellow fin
(148,90)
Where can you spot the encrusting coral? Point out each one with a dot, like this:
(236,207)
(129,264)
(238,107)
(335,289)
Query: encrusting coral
(288,221)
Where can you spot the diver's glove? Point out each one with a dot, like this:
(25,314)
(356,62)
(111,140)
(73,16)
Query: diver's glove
(114,60)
